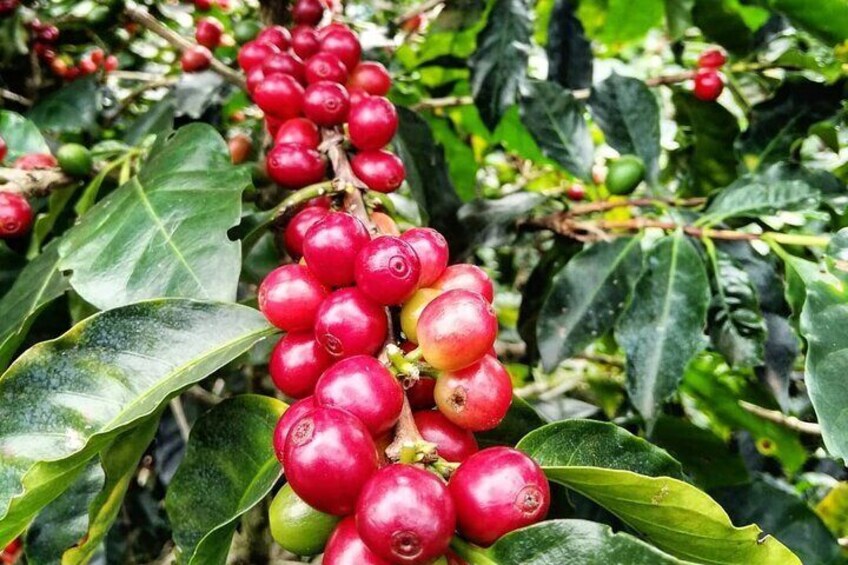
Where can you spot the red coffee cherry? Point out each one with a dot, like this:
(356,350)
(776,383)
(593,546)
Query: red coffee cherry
(357,95)
(362,386)
(328,458)
(280,96)
(331,27)
(299,131)
(467,277)
(371,77)
(298,226)
(15,215)
(345,547)
(290,296)
(405,515)
(87,67)
(712,59)
(209,32)
(203,5)
(277,36)
(254,78)
(111,63)
(708,85)
(372,123)
(420,395)
(349,324)
(475,398)
(380,170)
(456,330)
(253,54)
(432,250)
(295,166)
(331,246)
(326,103)
(325,66)
(305,42)
(452,442)
(4,149)
(387,270)
(297,362)
(48,34)
(8,7)
(287,420)
(286,64)
(307,12)
(35,161)
(576,192)
(522,497)
(344,44)
(195,58)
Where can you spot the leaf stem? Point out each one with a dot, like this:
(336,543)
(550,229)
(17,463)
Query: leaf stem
(471,553)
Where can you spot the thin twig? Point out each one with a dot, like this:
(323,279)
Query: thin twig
(778,417)
(446,102)
(9,95)
(32,183)
(199,393)
(421,8)
(604,205)
(180,417)
(670,79)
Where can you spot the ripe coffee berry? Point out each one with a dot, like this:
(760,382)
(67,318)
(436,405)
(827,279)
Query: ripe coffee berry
(326,103)
(331,246)
(325,66)
(405,515)
(203,5)
(299,131)
(297,362)
(452,442)
(328,458)
(35,161)
(111,63)
(195,58)
(477,397)
(387,270)
(343,44)
(305,42)
(420,395)
(253,54)
(275,35)
(15,215)
(412,309)
(209,32)
(708,85)
(254,78)
(467,277)
(432,250)
(380,170)
(7,7)
(280,96)
(239,146)
(372,123)
(371,77)
(87,67)
(286,64)
(712,59)
(345,547)
(294,413)
(349,324)
(290,296)
(308,12)
(357,95)
(456,330)
(522,496)
(4,149)
(298,226)
(295,166)
(576,192)
(362,386)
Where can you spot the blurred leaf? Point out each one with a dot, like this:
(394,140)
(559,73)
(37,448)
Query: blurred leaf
(211,489)
(21,136)
(512,134)
(65,400)
(628,113)
(499,65)
(57,203)
(518,422)
(833,509)
(569,53)
(555,120)
(729,23)
(630,20)
(662,326)
(71,109)
(575,313)
(829,19)
(781,350)
(762,271)
(195,93)
(492,221)
(752,197)
(163,233)
(678,17)
(460,158)
(158,119)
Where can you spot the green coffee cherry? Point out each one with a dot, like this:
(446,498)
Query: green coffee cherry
(624,174)
(75,159)
(298,527)
(245,30)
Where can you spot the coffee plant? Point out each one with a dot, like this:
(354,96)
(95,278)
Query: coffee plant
(424,282)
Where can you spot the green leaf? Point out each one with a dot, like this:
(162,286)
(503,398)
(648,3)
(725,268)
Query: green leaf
(555,120)
(65,400)
(833,509)
(520,420)
(737,328)
(630,20)
(491,222)
(589,443)
(21,136)
(627,112)
(678,17)
(829,20)
(38,284)
(212,488)
(775,507)
(159,118)
(163,233)
(499,66)
(823,322)
(57,202)
(574,313)
(729,23)
(64,521)
(751,197)
(460,158)
(71,109)
(570,58)
(662,327)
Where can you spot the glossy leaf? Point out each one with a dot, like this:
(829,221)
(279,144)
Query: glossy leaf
(570,58)
(627,112)
(678,17)
(491,222)
(163,233)
(228,468)
(575,313)
(21,136)
(520,420)
(728,23)
(833,509)
(499,65)
(555,120)
(65,400)
(829,20)
(72,108)
(661,328)
(752,196)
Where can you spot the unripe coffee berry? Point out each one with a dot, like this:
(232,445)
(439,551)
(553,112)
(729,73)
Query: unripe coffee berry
(387,270)
(453,443)
(345,547)
(348,324)
(292,414)
(412,309)
(297,362)
(466,277)
(296,526)
(432,250)
(280,96)
(299,131)
(371,77)
(708,85)
(15,215)
(325,66)
(475,398)
(295,166)
(278,36)
(372,123)
(456,330)
(331,247)
(290,296)
(326,103)
(344,44)
(380,170)
(253,53)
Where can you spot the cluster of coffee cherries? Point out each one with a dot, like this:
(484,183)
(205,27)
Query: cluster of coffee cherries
(311,78)
(44,39)
(16,214)
(381,418)
(209,34)
(708,81)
